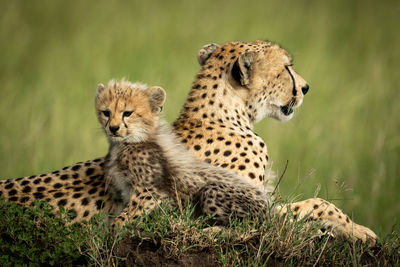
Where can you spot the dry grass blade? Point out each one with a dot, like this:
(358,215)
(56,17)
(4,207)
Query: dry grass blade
(280,178)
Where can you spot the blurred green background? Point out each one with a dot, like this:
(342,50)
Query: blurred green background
(343,143)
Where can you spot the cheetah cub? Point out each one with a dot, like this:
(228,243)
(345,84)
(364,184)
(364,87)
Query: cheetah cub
(146,163)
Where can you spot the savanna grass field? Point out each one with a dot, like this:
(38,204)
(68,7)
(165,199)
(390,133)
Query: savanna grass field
(343,144)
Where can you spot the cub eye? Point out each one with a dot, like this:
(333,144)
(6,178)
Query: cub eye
(127,113)
(106,113)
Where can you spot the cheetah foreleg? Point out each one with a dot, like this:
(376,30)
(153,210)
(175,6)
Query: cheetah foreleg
(139,203)
(338,223)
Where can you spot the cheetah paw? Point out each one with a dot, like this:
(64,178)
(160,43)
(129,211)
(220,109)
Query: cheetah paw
(366,235)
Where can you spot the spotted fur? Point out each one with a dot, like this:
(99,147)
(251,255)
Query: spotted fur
(239,84)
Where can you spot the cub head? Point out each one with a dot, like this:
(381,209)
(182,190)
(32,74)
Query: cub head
(261,73)
(129,112)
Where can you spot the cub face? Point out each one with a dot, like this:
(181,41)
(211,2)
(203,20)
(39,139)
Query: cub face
(128,112)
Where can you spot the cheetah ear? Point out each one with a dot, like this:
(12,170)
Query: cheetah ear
(100,88)
(157,97)
(242,67)
(205,52)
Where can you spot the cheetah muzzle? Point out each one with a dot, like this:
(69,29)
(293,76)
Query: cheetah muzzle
(288,109)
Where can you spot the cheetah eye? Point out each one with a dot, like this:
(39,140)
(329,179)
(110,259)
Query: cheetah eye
(127,113)
(106,113)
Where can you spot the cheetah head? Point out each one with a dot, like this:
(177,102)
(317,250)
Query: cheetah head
(129,112)
(262,74)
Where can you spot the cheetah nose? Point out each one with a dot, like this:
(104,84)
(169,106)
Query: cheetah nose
(305,88)
(114,129)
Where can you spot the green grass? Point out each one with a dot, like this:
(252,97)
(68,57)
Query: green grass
(55,52)
(170,237)
(34,236)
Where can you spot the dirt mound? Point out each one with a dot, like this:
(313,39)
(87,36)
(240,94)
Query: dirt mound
(136,252)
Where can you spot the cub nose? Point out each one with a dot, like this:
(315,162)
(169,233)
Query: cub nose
(114,129)
(305,88)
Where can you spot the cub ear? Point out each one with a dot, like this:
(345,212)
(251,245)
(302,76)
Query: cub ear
(205,52)
(157,97)
(100,88)
(242,67)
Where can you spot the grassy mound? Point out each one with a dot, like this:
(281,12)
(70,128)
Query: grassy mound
(170,237)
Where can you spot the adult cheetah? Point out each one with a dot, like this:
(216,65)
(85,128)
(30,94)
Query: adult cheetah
(239,84)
